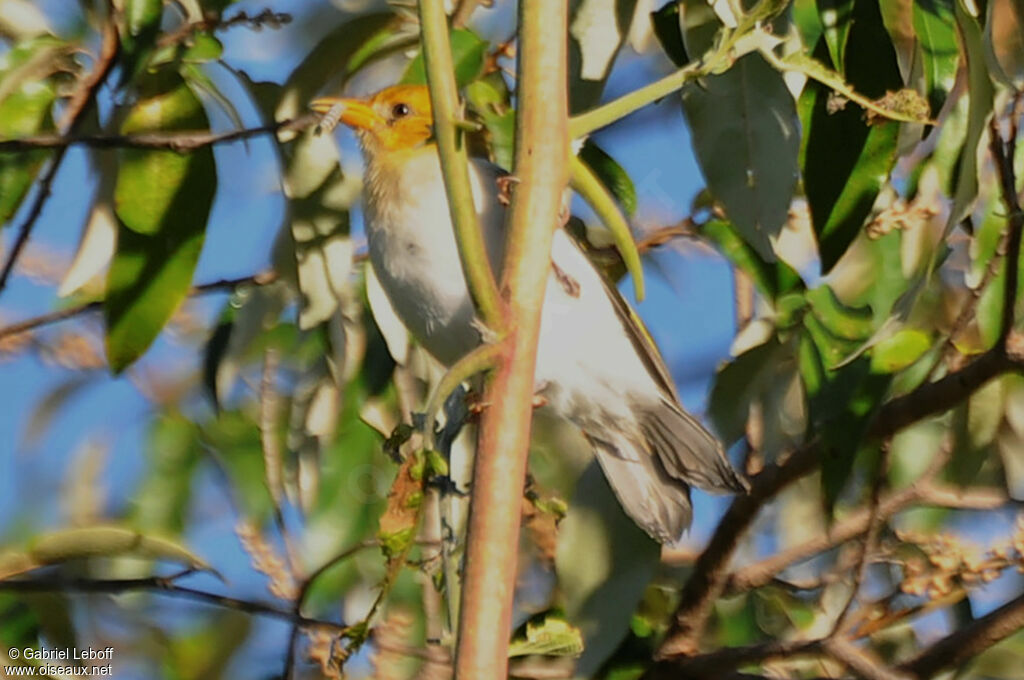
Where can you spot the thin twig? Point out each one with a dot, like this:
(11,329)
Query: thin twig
(1002,154)
(265,19)
(164,586)
(867,546)
(171,141)
(77,107)
(969,641)
(260,279)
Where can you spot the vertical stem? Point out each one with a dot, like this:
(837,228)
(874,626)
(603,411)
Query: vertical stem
(541,165)
(444,100)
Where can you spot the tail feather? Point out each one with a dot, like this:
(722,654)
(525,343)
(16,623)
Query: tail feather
(687,451)
(657,502)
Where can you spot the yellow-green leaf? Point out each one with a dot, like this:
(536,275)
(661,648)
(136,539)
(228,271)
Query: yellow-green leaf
(109,541)
(162,200)
(899,351)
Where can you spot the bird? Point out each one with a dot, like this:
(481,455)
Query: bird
(597,367)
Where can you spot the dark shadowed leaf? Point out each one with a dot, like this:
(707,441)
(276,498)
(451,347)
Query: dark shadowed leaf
(736,386)
(139,28)
(669,31)
(836,18)
(771,279)
(745,135)
(612,175)
(163,201)
(846,161)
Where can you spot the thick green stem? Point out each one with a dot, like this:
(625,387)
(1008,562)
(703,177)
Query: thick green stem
(588,186)
(444,99)
(541,166)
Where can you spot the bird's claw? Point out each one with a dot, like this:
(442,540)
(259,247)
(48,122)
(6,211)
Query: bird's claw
(505,184)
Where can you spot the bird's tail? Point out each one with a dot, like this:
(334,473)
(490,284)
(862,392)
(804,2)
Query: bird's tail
(688,452)
(659,504)
(651,470)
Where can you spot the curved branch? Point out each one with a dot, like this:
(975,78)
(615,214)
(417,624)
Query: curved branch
(80,103)
(172,141)
(444,99)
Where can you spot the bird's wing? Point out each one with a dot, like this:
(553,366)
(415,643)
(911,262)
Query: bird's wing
(638,335)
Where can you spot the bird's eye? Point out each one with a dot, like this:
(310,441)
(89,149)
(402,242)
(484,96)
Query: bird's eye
(400,110)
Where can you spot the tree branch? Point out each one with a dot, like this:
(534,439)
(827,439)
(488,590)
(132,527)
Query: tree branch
(967,642)
(166,586)
(79,104)
(260,279)
(541,165)
(171,141)
(444,100)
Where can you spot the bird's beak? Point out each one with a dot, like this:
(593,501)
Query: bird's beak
(354,112)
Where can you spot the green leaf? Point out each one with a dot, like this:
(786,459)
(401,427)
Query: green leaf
(163,200)
(601,592)
(468,53)
(836,19)
(668,28)
(980,93)
(839,320)
(109,541)
(975,426)
(899,351)
(26,101)
(24,112)
(329,64)
(138,35)
(489,98)
(936,30)
(612,175)
(845,161)
(771,280)
(737,385)
(745,136)
(551,636)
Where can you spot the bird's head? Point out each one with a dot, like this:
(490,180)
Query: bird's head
(395,119)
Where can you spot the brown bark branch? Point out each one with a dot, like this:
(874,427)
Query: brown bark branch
(260,279)
(170,141)
(79,104)
(541,165)
(166,586)
(968,642)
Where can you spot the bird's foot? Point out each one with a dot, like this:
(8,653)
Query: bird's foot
(476,405)
(505,184)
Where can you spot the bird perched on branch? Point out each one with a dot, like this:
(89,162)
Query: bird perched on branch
(596,365)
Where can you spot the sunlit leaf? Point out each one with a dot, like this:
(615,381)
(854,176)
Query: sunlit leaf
(25,109)
(163,200)
(745,135)
(551,636)
(327,63)
(109,541)
(899,351)
(468,52)
(936,29)
(598,29)
(489,98)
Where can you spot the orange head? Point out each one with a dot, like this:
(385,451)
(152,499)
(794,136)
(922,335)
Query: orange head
(397,118)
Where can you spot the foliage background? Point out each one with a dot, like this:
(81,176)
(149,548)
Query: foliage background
(147,449)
